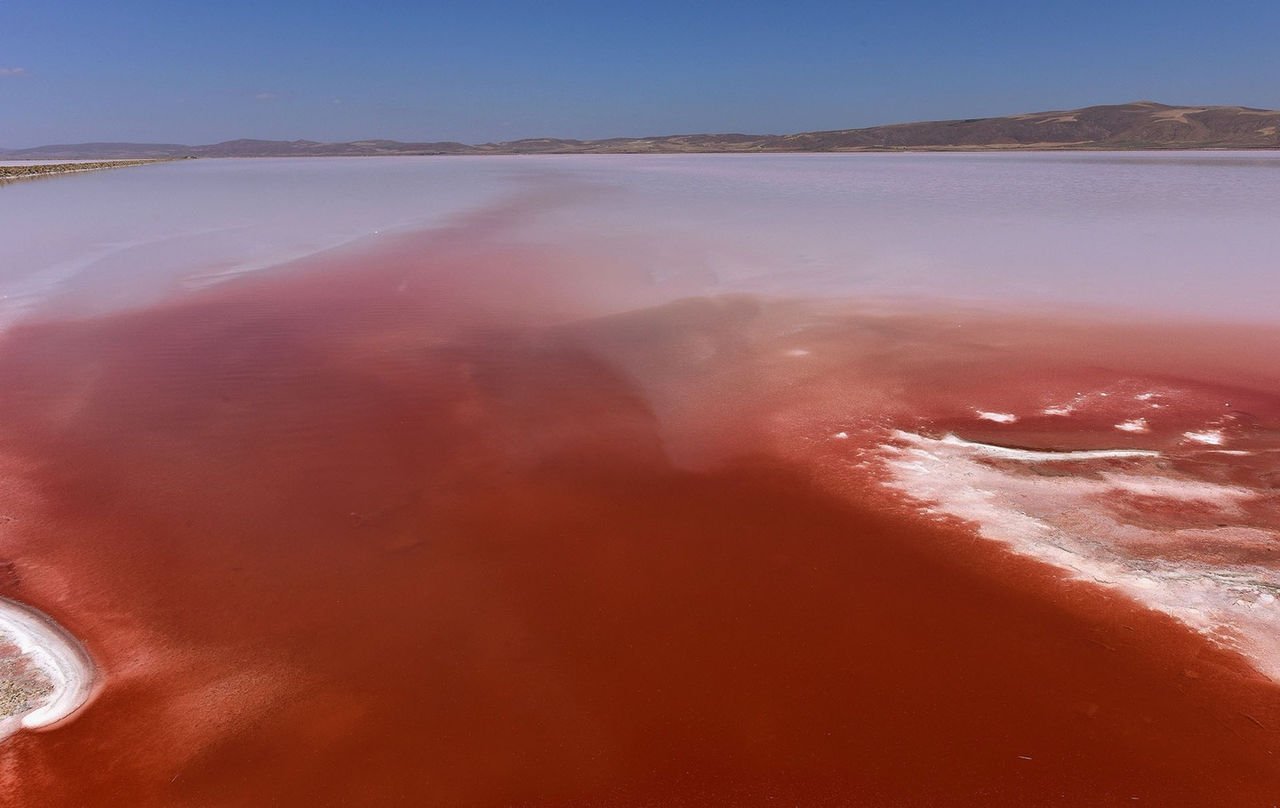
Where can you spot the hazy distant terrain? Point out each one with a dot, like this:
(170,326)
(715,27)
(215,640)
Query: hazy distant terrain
(1140,125)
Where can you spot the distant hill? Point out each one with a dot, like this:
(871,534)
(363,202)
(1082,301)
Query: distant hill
(1140,125)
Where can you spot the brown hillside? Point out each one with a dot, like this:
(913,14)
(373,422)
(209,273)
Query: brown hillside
(1140,125)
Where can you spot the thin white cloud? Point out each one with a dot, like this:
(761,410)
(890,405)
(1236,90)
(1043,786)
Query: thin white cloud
(12,71)
(266,96)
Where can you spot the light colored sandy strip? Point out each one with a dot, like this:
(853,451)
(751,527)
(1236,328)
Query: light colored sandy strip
(54,651)
(1029,455)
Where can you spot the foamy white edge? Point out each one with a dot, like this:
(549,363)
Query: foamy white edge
(1032,455)
(998,417)
(1235,606)
(55,652)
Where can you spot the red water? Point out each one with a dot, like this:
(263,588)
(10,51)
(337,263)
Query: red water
(388,530)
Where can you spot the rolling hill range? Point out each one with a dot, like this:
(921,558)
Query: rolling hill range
(1139,125)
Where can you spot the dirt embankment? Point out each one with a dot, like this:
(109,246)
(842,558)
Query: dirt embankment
(48,169)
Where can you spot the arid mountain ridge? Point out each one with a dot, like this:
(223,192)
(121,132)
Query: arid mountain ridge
(1138,125)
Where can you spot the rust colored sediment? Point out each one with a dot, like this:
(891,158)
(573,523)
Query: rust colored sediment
(387,533)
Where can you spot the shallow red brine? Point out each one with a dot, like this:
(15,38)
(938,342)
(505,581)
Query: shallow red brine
(404,525)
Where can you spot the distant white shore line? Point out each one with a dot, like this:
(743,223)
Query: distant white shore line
(56,653)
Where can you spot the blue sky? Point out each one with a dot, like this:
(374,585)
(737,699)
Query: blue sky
(187,72)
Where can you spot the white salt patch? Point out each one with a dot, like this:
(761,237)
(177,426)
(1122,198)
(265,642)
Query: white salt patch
(841,436)
(1209,437)
(1134,425)
(56,653)
(1063,520)
(1065,408)
(1031,455)
(998,417)
(1149,399)
(1176,488)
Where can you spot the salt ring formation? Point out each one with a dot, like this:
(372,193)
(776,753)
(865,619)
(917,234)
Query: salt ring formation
(45,674)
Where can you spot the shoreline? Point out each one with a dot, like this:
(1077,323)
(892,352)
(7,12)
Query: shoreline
(55,653)
(11,173)
(1074,148)
(1018,504)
